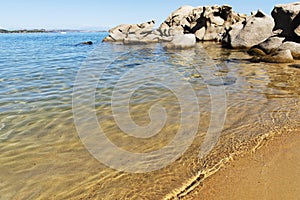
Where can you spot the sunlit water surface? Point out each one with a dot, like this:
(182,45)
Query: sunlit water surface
(42,156)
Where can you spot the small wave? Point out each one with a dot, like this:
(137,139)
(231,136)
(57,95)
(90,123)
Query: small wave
(2,126)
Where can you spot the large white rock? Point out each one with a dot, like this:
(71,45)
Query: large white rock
(200,33)
(231,33)
(217,21)
(268,46)
(208,20)
(141,39)
(213,33)
(180,14)
(118,33)
(283,56)
(255,29)
(293,47)
(176,19)
(129,31)
(176,30)
(182,42)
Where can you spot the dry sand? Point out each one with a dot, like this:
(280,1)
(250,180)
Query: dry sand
(271,173)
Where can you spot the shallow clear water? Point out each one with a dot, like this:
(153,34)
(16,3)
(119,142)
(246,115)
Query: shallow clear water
(43,152)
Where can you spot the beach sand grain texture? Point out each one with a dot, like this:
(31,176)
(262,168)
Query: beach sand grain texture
(270,173)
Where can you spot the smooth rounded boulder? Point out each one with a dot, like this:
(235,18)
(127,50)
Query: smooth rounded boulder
(283,56)
(293,47)
(182,42)
(254,30)
(266,47)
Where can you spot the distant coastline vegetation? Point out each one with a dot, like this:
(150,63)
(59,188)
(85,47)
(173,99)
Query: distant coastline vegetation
(44,31)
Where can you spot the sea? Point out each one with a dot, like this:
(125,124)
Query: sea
(108,121)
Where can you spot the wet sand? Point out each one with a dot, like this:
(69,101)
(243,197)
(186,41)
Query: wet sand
(271,172)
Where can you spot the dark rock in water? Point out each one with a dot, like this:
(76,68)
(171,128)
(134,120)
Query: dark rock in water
(255,59)
(87,43)
(132,65)
(255,51)
(295,66)
(228,80)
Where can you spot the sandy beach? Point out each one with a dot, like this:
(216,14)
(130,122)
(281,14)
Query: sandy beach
(179,101)
(272,172)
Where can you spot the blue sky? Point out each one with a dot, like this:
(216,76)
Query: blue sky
(96,14)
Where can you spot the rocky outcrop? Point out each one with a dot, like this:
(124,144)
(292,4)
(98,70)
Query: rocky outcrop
(132,32)
(287,21)
(254,30)
(87,43)
(269,40)
(286,41)
(206,22)
(175,23)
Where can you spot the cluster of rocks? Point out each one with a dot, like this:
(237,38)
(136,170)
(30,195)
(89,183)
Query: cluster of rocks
(133,33)
(253,30)
(269,38)
(283,46)
(181,29)
(206,23)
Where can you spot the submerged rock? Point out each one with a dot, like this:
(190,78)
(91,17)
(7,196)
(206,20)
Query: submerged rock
(295,66)
(266,47)
(283,56)
(228,80)
(87,43)
(256,51)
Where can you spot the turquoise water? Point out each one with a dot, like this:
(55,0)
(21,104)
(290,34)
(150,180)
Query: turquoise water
(43,155)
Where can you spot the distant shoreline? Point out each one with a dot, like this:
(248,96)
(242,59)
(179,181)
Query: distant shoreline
(48,31)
